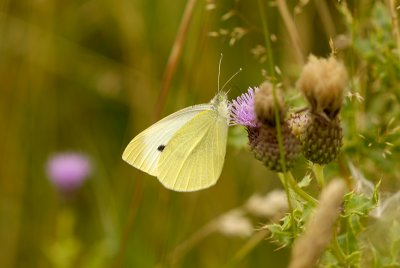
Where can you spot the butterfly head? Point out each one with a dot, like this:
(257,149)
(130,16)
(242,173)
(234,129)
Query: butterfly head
(221,104)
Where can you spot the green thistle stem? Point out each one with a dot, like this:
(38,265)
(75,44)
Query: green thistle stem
(271,71)
(319,174)
(337,250)
(295,187)
(284,179)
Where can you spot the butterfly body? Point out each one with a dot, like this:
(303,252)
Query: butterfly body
(185,150)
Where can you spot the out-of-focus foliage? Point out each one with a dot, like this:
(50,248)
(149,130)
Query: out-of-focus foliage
(85,76)
(381,241)
(372,112)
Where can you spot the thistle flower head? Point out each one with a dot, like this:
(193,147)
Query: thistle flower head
(242,109)
(322,82)
(68,171)
(264,105)
(256,112)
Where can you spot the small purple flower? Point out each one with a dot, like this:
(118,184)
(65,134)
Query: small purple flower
(243,109)
(67,171)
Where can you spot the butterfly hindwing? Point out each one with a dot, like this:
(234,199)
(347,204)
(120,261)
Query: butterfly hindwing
(194,156)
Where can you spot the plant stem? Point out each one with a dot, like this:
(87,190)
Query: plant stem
(190,242)
(292,30)
(247,247)
(319,174)
(300,191)
(130,221)
(175,55)
(395,21)
(271,71)
(284,180)
(337,250)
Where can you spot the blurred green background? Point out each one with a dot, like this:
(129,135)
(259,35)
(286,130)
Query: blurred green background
(86,76)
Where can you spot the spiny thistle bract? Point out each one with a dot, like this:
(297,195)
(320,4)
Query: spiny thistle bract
(255,110)
(319,130)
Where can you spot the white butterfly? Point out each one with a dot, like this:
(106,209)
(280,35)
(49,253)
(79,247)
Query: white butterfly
(185,150)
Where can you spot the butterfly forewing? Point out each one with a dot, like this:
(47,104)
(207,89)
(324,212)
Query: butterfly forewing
(194,156)
(144,151)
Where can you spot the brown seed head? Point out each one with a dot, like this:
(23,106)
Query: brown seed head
(264,105)
(322,82)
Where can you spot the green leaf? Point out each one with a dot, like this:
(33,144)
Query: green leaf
(357,204)
(375,197)
(280,234)
(305,181)
(354,258)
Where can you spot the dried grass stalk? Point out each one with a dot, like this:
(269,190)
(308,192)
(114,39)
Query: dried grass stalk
(309,247)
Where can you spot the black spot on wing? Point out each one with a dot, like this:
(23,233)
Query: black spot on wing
(161,147)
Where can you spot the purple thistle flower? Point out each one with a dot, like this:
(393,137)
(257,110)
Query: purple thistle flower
(247,109)
(68,171)
(242,109)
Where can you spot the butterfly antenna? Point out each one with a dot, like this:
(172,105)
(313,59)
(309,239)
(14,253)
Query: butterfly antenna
(227,92)
(219,69)
(231,78)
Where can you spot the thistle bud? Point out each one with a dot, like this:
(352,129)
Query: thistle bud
(320,139)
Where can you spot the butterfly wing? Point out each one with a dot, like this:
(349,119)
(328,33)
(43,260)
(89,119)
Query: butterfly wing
(194,156)
(145,149)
